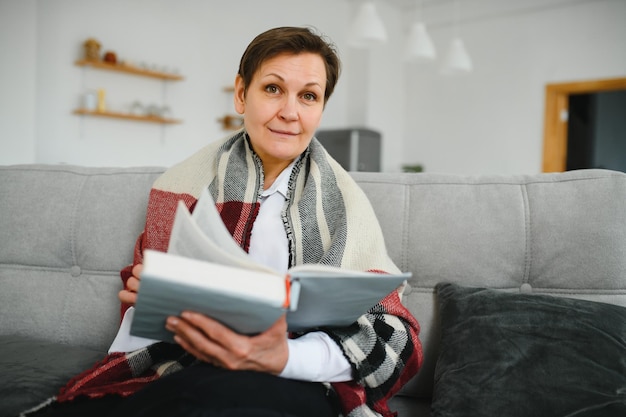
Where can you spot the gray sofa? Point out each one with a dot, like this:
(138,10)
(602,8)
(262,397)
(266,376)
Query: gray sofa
(66,232)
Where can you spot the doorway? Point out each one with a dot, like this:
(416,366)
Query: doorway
(596,131)
(576,117)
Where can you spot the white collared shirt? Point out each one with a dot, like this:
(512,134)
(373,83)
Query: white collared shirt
(314,356)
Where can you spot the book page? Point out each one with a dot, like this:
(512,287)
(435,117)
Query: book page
(188,240)
(210,222)
(328,271)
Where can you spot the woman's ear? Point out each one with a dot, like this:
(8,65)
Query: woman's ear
(240,95)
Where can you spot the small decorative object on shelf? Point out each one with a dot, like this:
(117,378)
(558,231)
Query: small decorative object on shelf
(231,122)
(110,57)
(152,110)
(102,105)
(137,108)
(90,100)
(92,49)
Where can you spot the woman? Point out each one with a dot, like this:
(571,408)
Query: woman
(286,202)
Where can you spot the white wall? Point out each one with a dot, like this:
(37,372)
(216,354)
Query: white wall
(203,39)
(18,31)
(487,122)
(491,121)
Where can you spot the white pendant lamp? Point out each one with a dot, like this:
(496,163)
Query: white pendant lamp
(367,28)
(419,45)
(457,60)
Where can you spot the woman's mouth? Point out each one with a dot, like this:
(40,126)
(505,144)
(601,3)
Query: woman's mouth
(283,132)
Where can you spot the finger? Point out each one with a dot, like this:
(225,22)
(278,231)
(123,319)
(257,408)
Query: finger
(279,326)
(193,351)
(200,355)
(230,347)
(127,297)
(211,328)
(193,340)
(132,284)
(136,271)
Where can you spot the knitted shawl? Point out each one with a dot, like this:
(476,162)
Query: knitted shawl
(328,220)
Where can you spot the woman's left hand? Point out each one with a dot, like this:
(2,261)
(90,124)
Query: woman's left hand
(212,342)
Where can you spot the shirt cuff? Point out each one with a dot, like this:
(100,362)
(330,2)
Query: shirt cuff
(316,357)
(124,341)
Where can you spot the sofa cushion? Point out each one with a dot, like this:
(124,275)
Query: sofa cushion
(512,354)
(33,370)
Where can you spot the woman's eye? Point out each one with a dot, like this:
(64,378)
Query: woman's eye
(309,96)
(271,89)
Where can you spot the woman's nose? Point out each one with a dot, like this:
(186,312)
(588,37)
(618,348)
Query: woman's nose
(289,110)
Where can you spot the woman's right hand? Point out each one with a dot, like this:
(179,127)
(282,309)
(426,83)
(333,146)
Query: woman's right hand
(129,294)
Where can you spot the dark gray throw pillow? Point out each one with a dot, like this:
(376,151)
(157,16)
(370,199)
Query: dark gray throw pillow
(512,354)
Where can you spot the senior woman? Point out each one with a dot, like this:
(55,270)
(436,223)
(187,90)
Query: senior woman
(286,202)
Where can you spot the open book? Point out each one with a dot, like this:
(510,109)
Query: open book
(206,271)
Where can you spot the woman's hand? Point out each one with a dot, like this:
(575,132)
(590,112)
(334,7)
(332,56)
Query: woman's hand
(212,342)
(129,294)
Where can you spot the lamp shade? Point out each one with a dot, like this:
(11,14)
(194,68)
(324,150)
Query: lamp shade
(367,28)
(418,44)
(457,60)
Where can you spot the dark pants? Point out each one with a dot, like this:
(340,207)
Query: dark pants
(205,391)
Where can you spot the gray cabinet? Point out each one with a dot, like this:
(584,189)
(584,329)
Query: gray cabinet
(355,149)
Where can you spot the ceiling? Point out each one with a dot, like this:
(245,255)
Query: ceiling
(410,4)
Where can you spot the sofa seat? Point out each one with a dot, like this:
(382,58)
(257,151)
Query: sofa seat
(34,369)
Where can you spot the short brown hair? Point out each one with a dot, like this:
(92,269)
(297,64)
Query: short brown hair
(289,40)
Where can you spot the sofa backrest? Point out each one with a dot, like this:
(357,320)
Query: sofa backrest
(562,234)
(66,231)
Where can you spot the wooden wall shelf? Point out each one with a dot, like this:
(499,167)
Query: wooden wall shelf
(129,70)
(231,121)
(127,116)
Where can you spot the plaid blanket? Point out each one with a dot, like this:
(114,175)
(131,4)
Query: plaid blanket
(328,220)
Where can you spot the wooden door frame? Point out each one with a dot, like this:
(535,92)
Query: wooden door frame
(555,125)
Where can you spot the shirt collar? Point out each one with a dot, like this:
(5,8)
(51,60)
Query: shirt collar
(281,183)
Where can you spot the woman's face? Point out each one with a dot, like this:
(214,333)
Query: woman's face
(283,106)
